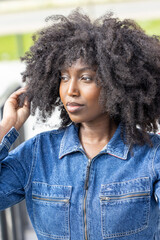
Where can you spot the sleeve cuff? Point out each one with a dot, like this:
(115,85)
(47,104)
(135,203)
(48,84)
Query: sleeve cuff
(7,141)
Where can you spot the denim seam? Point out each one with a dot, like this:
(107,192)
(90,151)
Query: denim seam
(16,202)
(148,213)
(53,185)
(52,235)
(70,148)
(153,160)
(6,144)
(11,191)
(127,200)
(19,200)
(126,234)
(33,164)
(82,212)
(62,143)
(67,225)
(51,197)
(6,140)
(105,236)
(66,212)
(149,165)
(102,225)
(52,132)
(17,178)
(67,232)
(103,193)
(132,180)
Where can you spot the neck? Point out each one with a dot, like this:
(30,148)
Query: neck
(99,131)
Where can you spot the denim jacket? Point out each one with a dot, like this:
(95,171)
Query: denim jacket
(113,196)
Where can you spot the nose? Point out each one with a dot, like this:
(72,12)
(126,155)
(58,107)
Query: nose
(73,89)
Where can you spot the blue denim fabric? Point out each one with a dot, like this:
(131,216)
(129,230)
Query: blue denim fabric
(116,198)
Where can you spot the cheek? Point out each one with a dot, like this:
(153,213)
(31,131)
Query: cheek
(61,93)
(93,96)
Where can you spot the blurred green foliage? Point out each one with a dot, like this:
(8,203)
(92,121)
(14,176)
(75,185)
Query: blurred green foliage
(12,47)
(152,27)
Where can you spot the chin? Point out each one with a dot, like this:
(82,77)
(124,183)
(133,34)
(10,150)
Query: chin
(76,120)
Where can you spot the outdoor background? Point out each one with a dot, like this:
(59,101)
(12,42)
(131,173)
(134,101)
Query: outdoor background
(20,19)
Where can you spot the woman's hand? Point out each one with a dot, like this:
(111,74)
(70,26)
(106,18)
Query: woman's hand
(13,114)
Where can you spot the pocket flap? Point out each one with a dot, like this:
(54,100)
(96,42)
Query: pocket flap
(139,185)
(51,191)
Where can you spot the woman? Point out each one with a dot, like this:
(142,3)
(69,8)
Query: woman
(97,176)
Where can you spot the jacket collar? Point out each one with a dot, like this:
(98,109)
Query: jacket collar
(70,143)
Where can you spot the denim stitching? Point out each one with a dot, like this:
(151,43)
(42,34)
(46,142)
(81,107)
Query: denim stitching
(153,168)
(6,144)
(62,144)
(46,234)
(127,234)
(11,191)
(67,232)
(53,236)
(54,186)
(132,180)
(67,228)
(145,215)
(19,200)
(33,164)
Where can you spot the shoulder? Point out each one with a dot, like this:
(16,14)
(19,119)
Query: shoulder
(41,139)
(155,154)
(55,134)
(154,150)
(155,139)
(149,150)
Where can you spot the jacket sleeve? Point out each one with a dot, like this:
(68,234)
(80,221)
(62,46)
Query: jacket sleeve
(156,170)
(15,169)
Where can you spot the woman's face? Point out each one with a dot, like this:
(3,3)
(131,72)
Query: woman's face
(79,92)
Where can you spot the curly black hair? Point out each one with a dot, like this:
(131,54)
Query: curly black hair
(128,69)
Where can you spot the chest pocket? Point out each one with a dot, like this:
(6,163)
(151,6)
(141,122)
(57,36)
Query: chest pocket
(51,210)
(124,207)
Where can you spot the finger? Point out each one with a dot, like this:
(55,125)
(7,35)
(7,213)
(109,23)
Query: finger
(18,92)
(26,102)
(18,97)
(21,99)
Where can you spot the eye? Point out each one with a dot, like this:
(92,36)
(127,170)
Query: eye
(87,78)
(64,78)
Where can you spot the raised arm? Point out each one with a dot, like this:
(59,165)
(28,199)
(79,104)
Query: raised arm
(13,114)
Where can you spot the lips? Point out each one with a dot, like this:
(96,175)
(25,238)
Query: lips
(74,107)
(74,104)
